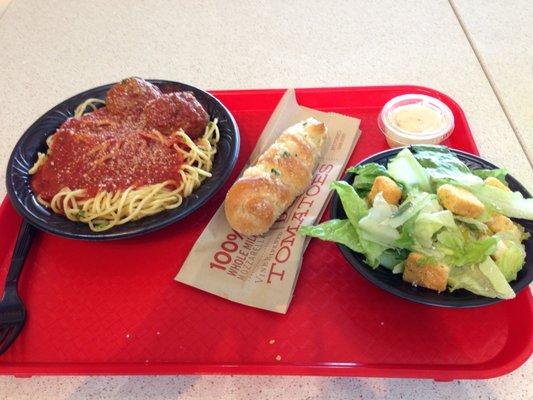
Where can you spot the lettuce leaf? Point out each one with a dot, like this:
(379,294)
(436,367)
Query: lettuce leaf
(335,230)
(398,268)
(354,206)
(460,249)
(375,225)
(484,279)
(414,203)
(442,165)
(356,209)
(511,204)
(498,173)
(365,175)
(427,224)
(407,239)
(472,223)
(390,258)
(510,256)
(512,261)
(404,168)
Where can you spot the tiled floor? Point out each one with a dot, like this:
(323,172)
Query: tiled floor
(502,34)
(3,6)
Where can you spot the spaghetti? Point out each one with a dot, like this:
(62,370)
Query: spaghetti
(121,172)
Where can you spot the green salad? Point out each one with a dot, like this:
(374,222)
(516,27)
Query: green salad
(430,218)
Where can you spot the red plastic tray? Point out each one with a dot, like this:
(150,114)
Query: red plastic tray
(114,308)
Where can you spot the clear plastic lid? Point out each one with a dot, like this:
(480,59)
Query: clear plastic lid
(415,119)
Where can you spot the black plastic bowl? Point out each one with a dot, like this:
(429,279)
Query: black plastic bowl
(34,140)
(394,284)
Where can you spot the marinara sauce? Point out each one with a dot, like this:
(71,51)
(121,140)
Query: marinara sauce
(125,144)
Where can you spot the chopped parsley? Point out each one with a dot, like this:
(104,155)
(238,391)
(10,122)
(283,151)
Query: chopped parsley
(285,154)
(275,171)
(101,223)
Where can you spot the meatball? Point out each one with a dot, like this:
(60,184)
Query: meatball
(388,188)
(130,96)
(460,201)
(175,111)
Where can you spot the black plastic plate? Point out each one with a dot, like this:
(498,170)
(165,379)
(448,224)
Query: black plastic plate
(394,284)
(34,140)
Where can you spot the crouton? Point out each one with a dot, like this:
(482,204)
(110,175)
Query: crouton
(491,181)
(390,190)
(460,201)
(500,223)
(431,276)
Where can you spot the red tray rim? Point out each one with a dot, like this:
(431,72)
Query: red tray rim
(370,88)
(445,372)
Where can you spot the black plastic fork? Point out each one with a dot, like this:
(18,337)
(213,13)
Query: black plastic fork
(12,311)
